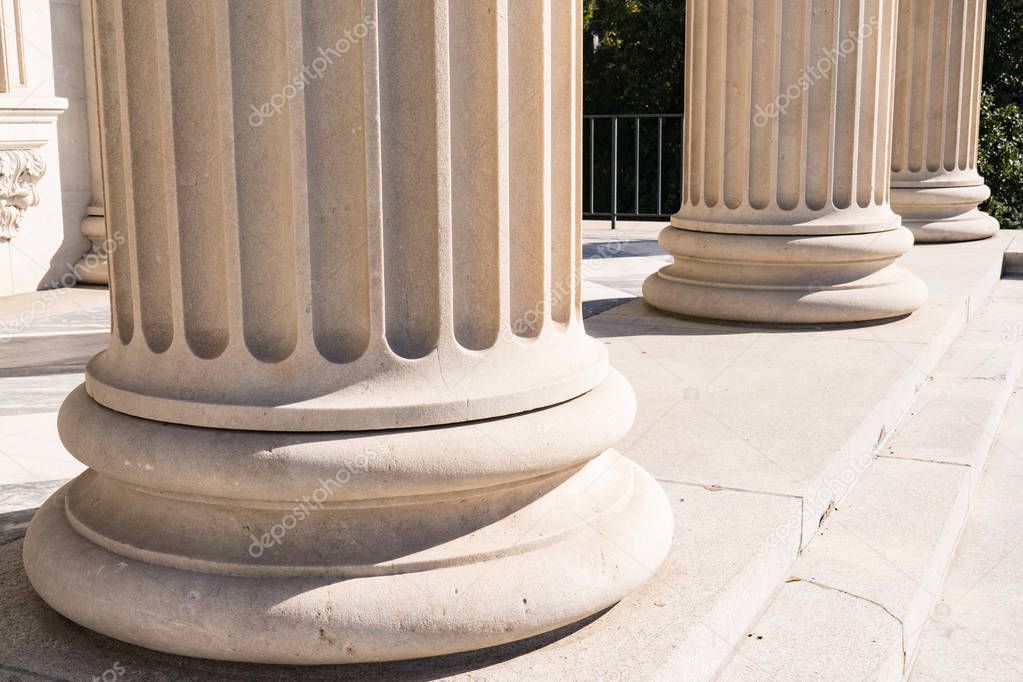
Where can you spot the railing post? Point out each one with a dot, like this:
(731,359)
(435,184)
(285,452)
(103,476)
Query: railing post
(660,157)
(614,171)
(637,167)
(592,123)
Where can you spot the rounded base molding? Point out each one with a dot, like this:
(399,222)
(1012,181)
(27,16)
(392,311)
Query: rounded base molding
(786,279)
(532,586)
(347,547)
(944,214)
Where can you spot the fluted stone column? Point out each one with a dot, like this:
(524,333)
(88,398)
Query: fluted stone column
(362,421)
(935,184)
(785,214)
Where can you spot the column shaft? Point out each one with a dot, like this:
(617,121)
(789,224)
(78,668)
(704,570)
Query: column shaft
(785,214)
(349,411)
(935,184)
(456,213)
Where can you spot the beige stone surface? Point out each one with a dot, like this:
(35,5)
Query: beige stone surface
(935,184)
(886,546)
(785,214)
(731,549)
(973,630)
(362,421)
(835,624)
(409,258)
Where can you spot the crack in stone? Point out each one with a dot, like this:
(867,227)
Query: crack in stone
(925,461)
(838,589)
(902,626)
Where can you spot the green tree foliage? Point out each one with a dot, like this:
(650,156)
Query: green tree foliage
(633,55)
(633,51)
(1001,115)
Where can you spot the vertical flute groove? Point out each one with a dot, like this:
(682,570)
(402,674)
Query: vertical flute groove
(903,89)
(563,150)
(736,130)
(849,82)
(577,219)
(697,118)
(201,203)
(920,89)
(116,181)
(819,149)
(528,169)
(264,171)
(791,121)
(409,132)
(953,87)
(476,170)
(152,167)
(763,67)
(889,19)
(714,107)
(938,77)
(868,147)
(977,34)
(337,172)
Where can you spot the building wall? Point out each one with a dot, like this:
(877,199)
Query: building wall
(35,116)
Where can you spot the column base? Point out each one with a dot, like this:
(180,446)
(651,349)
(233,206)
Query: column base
(785,279)
(531,531)
(93,267)
(944,214)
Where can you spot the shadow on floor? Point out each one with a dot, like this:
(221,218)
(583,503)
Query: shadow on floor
(636,317)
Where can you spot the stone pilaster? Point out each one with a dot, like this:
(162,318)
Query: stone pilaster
(935,184)
(785,211)
(363,421)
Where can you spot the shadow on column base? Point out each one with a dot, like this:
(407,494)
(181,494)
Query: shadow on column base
(505,552)
(944,214)
(774,279)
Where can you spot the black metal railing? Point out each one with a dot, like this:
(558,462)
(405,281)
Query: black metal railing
(649,184)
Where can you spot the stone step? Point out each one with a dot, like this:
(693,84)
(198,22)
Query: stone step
(856,600)
(1013,262)
(973,632)
(748,429)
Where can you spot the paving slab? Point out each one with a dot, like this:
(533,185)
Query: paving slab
(890,540)
(787,410)
(974,631)
(683,621)
(798,407)
(836,621)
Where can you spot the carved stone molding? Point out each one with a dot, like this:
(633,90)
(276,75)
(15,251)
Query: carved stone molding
(20,171)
